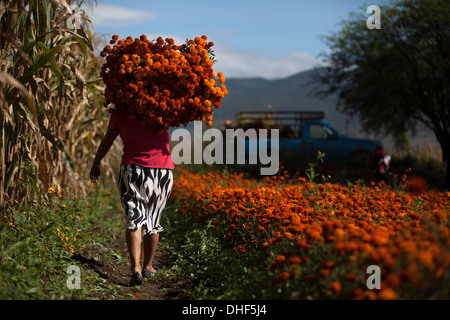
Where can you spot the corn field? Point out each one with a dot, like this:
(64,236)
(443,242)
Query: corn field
(51,98)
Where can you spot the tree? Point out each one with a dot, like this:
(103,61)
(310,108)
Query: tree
(394,77)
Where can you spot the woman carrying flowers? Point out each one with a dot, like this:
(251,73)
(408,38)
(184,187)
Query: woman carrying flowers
(145,184)
(153,85)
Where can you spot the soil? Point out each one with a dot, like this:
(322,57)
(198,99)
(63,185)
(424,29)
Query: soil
(117,275)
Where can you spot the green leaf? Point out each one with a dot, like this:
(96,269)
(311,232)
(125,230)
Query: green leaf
(40,63)
(9,250)
(55,68)
(82,44)
(47,7)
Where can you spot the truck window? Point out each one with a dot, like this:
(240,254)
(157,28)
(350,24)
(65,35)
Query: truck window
(287,132)
(319,131)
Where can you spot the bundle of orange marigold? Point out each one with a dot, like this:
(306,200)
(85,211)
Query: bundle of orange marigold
(162,84)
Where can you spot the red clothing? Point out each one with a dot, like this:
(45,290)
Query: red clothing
(142,145)
(377,161)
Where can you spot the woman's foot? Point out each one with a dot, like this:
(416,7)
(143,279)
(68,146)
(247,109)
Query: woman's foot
(153,271)
(136,279)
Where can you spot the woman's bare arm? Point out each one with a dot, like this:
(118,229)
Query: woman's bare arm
(103,149)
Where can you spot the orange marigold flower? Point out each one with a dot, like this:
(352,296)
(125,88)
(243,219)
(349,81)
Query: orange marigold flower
(336,287)
(324,273)
(350,277)
(387,294)
(288,235)
(162,69)
(280,259)
(282,277)
(328,264)
(440,215)
(367,295)
(295,260)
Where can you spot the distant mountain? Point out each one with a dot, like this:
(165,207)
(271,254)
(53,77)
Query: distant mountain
(295,93)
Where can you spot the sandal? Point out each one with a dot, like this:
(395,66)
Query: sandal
(136,279)
(147,273)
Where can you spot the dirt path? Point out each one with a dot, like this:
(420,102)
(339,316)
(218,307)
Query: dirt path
(115,271)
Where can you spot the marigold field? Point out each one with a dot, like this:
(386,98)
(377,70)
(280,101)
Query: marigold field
(317,240)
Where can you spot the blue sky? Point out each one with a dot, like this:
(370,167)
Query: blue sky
(264,38)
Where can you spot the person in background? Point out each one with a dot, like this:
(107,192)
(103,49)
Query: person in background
(379,164)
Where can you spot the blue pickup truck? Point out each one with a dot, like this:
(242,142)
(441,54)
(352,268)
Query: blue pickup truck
(304,133)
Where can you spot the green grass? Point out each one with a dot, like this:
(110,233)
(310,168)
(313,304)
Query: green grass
(39,242)
(205,263)
(429,167)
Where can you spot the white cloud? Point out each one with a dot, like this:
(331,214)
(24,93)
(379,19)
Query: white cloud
(110,15)
(237,63)
(178,40)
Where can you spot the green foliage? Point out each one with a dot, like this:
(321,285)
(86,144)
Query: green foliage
(41,240)
(421,165)
(396,76)
(310,172)
(51,105)
(207,264)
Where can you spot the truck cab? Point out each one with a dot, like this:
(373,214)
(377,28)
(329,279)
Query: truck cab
(304,133)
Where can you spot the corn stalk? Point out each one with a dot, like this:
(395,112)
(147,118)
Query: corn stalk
(51,99)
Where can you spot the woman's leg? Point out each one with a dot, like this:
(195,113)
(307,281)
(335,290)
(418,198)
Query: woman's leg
(134,248)
(150,245)
(162,181)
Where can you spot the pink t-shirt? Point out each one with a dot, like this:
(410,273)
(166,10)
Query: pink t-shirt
(142,144)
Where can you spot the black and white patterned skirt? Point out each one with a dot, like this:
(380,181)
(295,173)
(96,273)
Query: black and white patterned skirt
(144,192)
